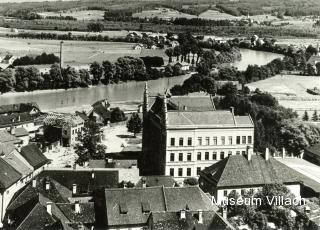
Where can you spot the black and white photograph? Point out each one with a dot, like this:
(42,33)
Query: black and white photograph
(159,114)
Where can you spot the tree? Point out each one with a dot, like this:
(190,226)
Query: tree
(228,89)
(315,116)
(96,70)
(134,124)
(125,184)
(305,116)
(117,115)
(108,70)
(7,81)
(89,146)
(169,52)
(191,181)
(95,27)
(85,80)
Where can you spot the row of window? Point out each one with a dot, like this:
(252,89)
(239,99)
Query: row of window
(214,156)
(180,172)
(207,141)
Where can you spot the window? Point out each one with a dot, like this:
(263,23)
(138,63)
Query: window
(199,156)
(225,193)
(238,140)
(229,153)
(171,156)
(188,171)
(215,140)
(214,156)
(238,152)
(180,172)
(242,192)
(181,141)
(206,155)
(230,140)
(172,172)
(243,152)
(249,139)
(221,155)
(180,156)
(207,140)
(244,139)
(189,141)
(199,140)
(223,140)
(198,170)
(172,141)
(188,156)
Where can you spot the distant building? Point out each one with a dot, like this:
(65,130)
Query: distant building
(138,47)
(183,135)
(183,66)
(101,112)
(242,173)
(140,208)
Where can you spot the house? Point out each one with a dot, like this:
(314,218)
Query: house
(101,112)
(183,135)
(138,208)
(242,173)
(30,108)
(138,46)
(63,127)
(183,66)
(9,138)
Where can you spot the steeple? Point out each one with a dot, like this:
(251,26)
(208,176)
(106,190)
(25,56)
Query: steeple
(145,99)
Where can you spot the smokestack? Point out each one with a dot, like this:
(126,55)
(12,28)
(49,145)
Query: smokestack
(77,207)
(267,154)
(49,208)
(74,189)
(61,55)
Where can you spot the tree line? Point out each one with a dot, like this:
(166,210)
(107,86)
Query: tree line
(44,58)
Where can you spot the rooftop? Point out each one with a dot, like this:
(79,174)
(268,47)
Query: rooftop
(8,175)
(237,170)
(19,108)
(191,103)
(86,214)
(34,156)
(14,158)
(20,132)
(5,136)
(63,120)
(17,118)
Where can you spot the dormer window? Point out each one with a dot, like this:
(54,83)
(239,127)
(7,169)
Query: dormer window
(123,208)
(146,207)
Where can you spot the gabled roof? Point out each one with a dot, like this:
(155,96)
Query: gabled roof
(34,156)
(125,206)
(16,160)
(19,108)
(86,215)
(191,103)
(17,118)
(102,111)
(28,193)
(20,132)
(5,136)
(8,175)
(236,170)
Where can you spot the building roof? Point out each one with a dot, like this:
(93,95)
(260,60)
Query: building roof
(207,119)
(8,175)
(19,108)
(17,118)
(20,132)
(155,181)
(14,158)
(63,120)
(133,206)
(6,137)
(191,103)
(315,149)
(237,170)
(102,109)
(24,196)
(34,156)
(86,214)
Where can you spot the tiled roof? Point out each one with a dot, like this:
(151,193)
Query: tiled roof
(102,111)
(215,119)
(38,218)
(154,181)
(8,175)
(6,148)
(18,108)
(16,118)
(126,206)
(5,136)
(83,179)
(191,103)
(28,193)
(20,132)
(86,215)
(34,156)
(62,120)
(17,162)
(236,170)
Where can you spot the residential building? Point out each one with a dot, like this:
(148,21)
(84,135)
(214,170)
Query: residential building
(101,112)
(137,208)
(29,108)
(22,134)
(184,135)
(242,173)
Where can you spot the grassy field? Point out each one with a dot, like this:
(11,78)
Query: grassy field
(79,15)
(162,13)
(75,52)
(291,91)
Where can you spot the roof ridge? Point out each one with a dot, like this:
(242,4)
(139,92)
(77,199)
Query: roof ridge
(164,198)
(187,118)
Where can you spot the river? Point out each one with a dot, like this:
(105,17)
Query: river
(53,100)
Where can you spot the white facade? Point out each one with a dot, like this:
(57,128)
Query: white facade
(195,149)
(71,133)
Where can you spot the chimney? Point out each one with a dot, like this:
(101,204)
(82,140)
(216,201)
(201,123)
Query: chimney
(224,212)
(249,154)
(267,154)
(12,130)
(182,214)
(200,217)
(77,207)
(232,110)
(34,183)
(49,208)
(283,153)
(19,119)
(185,108)
(47,185)
(74,189)
(92,175)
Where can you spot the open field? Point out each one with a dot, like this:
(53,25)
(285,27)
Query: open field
(75,52)
(79,15)
(216,15)
(290,90)
(162,13)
